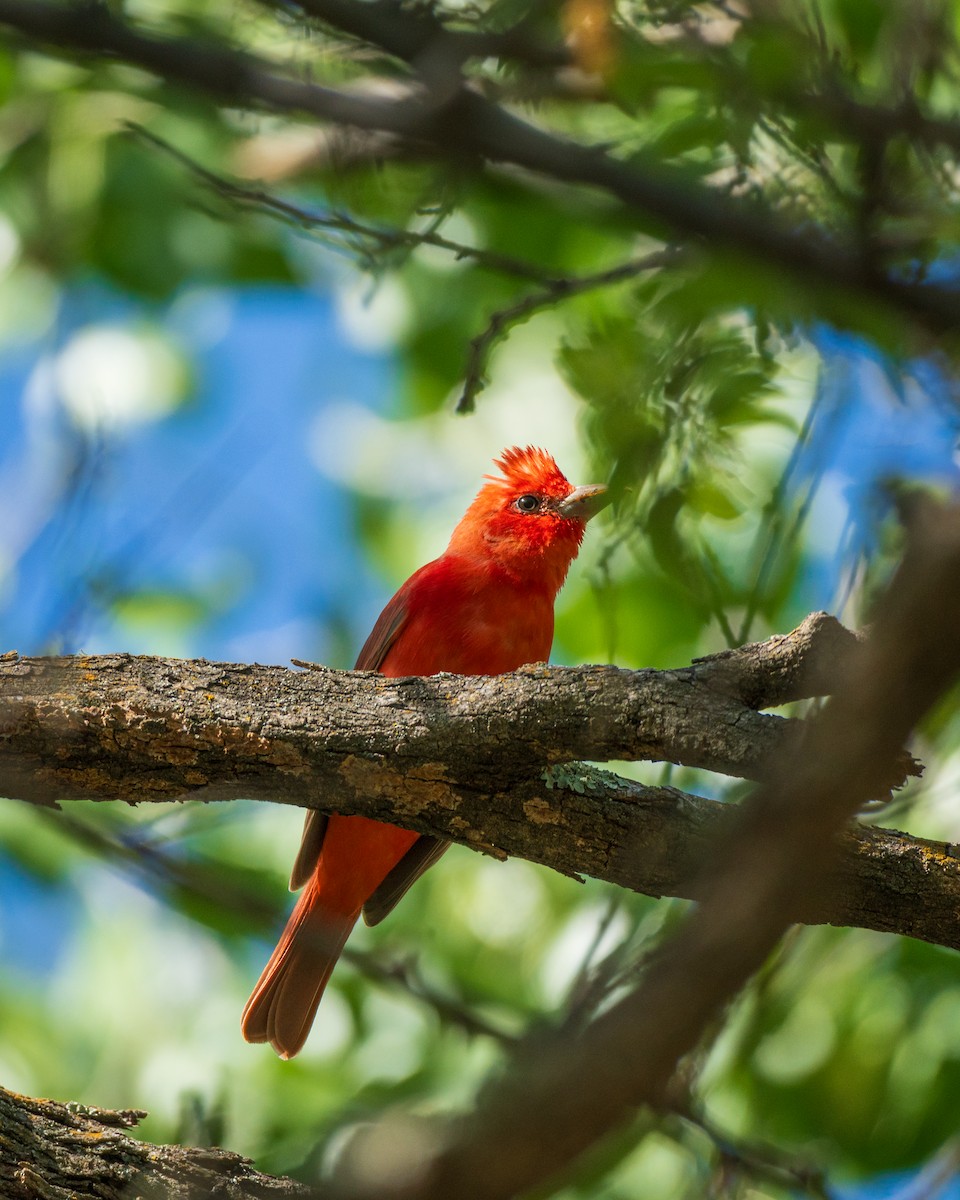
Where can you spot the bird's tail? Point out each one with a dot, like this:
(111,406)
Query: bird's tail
(282,1006)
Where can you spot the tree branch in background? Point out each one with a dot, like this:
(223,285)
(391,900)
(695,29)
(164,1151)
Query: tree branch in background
(561,1098)
(214,884)
(373,239)
(418,37)
(554,288)
(458,122)
(222,71)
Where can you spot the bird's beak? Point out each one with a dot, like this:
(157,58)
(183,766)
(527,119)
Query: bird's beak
(584,502)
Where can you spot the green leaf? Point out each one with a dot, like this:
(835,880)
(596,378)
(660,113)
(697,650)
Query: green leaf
(707,497)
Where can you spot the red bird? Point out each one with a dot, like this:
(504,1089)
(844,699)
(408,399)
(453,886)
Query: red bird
(485,606)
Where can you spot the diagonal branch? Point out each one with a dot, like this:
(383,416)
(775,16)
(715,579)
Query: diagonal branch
(378,237)
(229,74)
(415,35)
(554,292)
(211,883)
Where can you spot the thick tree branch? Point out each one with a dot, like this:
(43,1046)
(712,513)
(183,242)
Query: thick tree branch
(150,728)
(444,113)
(463,758)
(51,1151)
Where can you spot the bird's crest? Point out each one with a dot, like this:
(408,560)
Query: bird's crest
(530,467)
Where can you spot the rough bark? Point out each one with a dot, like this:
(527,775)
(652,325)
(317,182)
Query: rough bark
(149,728)
(51,1151)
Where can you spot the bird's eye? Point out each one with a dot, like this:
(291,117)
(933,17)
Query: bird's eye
(528,503)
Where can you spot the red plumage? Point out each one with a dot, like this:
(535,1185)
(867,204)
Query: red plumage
(484,607)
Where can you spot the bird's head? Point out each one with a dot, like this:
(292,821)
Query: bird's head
(529,519)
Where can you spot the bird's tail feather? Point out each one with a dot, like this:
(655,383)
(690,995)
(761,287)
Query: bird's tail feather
(282,1006)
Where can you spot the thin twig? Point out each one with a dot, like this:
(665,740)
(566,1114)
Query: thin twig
(593,977)
(759,1161)
(777,530)
(556,291)
(386,237)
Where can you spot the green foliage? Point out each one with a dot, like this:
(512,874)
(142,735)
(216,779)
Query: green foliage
(677,393)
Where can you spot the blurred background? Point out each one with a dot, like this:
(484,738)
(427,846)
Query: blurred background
(232,435)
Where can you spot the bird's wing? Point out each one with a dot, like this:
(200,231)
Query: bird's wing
(384,633)
(425,850)
(422,854)
(311,842)
(375,650)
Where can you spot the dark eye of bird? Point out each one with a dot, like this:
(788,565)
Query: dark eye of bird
(528,503)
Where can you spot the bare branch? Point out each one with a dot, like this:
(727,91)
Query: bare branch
(757,1161)
(797,666)
(150,728)
(381,237)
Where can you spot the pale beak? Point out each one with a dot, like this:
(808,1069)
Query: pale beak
(584,502)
